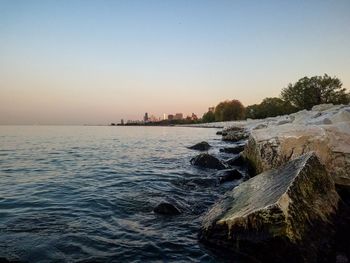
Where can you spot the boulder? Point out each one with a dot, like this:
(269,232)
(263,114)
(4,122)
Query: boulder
(273,146)
(166,209)
(229,175)
(208,161)
(235,150)
(282,215)
(235,135)
(202,146)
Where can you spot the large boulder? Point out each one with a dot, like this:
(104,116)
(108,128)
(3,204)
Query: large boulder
(282,215)
(273,146)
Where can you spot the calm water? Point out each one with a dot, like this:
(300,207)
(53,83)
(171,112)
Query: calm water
(86,194)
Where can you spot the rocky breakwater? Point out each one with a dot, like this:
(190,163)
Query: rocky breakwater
(296,208)
(283,215)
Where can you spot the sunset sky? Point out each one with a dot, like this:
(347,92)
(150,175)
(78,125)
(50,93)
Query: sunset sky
(77,62)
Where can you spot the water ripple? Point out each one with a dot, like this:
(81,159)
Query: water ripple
(86,194)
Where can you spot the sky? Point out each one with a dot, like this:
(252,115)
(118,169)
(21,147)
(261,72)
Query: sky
(95,62)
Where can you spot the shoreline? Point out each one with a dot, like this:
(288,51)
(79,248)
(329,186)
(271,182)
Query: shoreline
(319,138)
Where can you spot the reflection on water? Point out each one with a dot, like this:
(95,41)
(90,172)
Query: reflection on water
(87,193)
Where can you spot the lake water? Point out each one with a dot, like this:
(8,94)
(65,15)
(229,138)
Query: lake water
(86,194)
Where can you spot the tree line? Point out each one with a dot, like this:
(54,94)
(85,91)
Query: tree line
(304,94)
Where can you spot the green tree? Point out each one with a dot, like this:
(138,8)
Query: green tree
(270,107)
(229,111)
(208,117)
(253,111)
(307,92)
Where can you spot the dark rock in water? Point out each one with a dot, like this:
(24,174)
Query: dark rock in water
(219,133)
(229,175)
(235,150)
(202,146)
(236,161)
(208,161)
(282,215)
(166,209)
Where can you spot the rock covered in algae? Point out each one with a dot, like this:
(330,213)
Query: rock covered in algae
(282,215)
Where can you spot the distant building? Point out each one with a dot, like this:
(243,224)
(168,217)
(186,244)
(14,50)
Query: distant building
(165,116)
(145,118)
(122,121)
(211,109)
(178,116)
(170,117)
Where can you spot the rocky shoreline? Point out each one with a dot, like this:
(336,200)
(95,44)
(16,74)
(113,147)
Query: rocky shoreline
(294,204)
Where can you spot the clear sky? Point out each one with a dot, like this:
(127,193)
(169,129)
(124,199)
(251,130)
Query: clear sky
(76,62)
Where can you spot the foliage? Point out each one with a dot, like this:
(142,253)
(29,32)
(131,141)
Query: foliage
(208,117)
(229,111)
(307,92)
(270,107)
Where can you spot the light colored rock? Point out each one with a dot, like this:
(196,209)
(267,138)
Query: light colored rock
(325,129)
(327,133)
(289,210)
(322,107)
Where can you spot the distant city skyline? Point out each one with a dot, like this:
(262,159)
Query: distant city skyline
(96,62)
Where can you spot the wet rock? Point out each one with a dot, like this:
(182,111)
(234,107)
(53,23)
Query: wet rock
(202,146)
(167,209)
(208,161)
(219,133)
(236,161)
(283,215)
(235,150)
(229,175)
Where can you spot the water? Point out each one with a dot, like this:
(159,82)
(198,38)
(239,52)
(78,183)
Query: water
(86,194)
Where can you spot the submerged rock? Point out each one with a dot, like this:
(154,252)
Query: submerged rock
(208,161)
(282,215)
(235,150)
(167,209)
(229,175)
(202,146)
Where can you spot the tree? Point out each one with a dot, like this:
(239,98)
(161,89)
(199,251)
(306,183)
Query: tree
(229,111)
(270,107)
(208,117)
(307,92)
